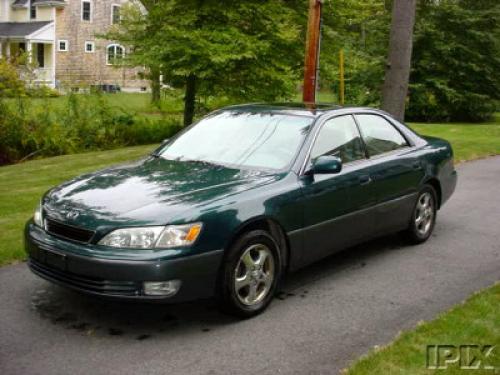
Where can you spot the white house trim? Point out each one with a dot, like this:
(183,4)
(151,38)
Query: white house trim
(59,45)
(87,43)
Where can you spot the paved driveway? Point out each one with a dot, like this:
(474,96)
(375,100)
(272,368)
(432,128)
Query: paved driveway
(328,314)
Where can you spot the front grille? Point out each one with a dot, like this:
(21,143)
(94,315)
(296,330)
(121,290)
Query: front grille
(68,231)
(105,287)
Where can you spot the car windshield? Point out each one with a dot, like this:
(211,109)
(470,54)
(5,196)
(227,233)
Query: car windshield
(242,139)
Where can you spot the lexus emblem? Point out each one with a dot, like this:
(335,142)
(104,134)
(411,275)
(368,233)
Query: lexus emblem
(71,215)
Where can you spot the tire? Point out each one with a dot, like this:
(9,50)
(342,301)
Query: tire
(423,218)
(249,275)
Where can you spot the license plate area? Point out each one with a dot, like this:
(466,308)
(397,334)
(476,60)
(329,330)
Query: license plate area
(53,258)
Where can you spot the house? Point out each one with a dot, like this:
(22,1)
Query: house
(61,37)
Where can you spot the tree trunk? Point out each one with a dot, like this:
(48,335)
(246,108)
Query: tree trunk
(397,72)
(189,100)
(155,85)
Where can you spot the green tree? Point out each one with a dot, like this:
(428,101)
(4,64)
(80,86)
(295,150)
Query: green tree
(244,50)
(456,61)
(361,29)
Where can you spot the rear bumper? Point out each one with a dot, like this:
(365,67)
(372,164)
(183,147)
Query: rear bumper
(123,279)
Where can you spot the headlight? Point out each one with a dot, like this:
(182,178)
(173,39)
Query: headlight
(38,217)
(153,237)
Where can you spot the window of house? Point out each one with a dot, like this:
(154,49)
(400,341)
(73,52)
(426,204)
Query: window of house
(63,45)
(86,10)
(115,14)
(89,47)
(339,137)
(115,53)
(32,12)
(379,135)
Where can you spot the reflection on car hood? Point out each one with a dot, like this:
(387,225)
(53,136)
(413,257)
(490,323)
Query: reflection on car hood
(151,191)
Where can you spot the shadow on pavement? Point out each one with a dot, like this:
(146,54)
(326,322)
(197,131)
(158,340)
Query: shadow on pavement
(92,316)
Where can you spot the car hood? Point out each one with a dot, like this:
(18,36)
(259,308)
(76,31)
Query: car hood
(153,191)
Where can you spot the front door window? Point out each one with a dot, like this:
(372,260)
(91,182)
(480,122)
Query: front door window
(339,137)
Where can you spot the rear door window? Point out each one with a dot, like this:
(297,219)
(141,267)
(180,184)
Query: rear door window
(380,135)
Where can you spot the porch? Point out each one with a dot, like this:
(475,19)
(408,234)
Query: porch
(40,60)
(37,40)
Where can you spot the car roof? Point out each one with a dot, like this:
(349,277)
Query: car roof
(310,109)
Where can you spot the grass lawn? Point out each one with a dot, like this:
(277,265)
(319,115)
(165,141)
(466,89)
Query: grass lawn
(470,141)
(477,321)
(22,185)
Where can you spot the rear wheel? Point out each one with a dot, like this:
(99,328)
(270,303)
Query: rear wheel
(424,216)
(250,275)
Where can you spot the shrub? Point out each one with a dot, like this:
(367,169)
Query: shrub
(80,123)
(10,84)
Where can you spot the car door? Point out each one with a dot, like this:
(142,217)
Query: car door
(337,206)
(395,171)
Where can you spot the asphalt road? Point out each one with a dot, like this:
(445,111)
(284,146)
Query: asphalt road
(328,314)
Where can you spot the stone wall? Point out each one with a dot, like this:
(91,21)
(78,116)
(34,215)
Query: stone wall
(78,67)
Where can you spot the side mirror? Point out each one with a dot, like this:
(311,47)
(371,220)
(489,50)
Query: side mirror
(327,164)
(165,141)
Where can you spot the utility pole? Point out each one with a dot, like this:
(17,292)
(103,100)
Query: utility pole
(312,51)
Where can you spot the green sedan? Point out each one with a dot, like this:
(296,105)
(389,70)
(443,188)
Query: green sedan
(232,203)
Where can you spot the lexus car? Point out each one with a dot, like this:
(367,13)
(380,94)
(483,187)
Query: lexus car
(231,204)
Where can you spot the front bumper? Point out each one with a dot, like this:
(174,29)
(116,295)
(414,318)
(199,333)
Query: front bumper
(119,278)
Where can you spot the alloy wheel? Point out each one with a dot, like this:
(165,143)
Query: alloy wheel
(424,213)
(254,274)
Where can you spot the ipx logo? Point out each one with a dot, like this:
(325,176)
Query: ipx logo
(465,357)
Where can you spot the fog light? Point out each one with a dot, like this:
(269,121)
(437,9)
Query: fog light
(161,288)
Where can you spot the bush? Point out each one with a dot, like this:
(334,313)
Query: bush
(83,122)
(10,84)
(42,92)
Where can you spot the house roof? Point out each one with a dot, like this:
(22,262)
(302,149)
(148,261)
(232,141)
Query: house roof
(49,2)
(25,3)
(20,29)
(20,3)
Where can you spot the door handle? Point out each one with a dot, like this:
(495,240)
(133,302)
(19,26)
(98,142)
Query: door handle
(417,165)
(365,180)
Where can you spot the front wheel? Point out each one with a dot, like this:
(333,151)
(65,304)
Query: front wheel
(424,216)
(250,275)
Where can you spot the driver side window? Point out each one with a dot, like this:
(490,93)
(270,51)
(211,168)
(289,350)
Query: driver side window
(339,137)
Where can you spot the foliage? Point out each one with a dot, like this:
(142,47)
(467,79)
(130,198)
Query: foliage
(83,122)
(456,61)
(245,50)
(42,91)
(361,29)
(10,83)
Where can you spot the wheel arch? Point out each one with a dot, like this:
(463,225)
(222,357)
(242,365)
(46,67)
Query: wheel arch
(434,182)
(270,225)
